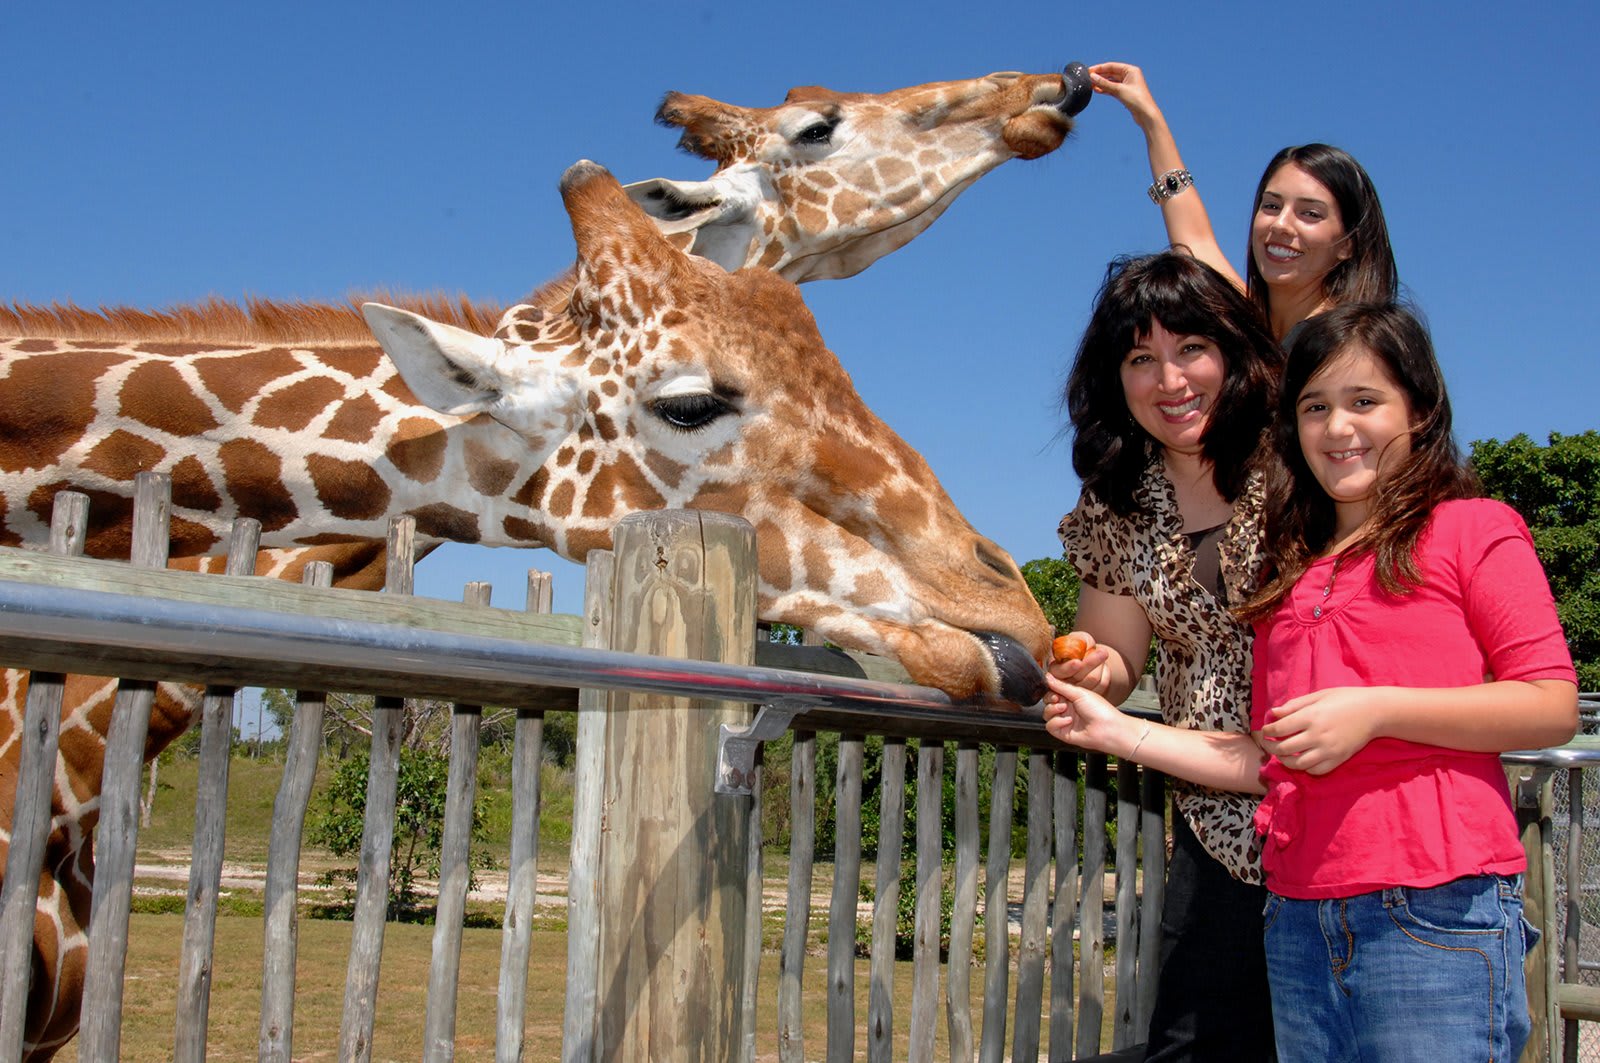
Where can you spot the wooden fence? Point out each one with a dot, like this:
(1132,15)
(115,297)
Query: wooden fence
(675,698)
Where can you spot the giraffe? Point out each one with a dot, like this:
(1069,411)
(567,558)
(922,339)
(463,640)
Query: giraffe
(818,187)
(662,380)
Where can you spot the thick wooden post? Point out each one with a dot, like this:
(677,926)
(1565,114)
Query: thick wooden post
(672,861)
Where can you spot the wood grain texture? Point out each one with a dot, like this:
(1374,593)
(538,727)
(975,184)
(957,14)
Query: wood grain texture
(672,859)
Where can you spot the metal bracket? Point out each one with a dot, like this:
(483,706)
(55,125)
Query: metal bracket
(1531,785)
(736,747)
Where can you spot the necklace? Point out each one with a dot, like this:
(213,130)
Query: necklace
(1327,588)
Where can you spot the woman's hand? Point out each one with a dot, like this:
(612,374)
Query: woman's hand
(1315,733)
(1090,671)
(1078,716)
(1125,83)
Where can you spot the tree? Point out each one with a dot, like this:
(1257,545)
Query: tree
(1556,488)
(1054,583)
(347,721)
(418,821)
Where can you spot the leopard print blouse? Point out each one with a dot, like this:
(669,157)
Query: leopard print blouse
(1202,652)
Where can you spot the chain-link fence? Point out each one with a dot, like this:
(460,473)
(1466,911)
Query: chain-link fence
(1587,884)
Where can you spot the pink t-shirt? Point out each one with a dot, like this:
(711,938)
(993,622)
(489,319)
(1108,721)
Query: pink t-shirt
(1400,813)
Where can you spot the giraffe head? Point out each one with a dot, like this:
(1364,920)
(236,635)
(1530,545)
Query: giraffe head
(827,183)
(668,382)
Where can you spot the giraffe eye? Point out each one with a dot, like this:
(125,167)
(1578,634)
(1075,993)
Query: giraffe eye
(690,413)
(817,132)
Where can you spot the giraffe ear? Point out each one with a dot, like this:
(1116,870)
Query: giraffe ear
(719,214)
(450,369)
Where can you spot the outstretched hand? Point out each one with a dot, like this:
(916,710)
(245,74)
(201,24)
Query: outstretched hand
(1315,733)
(1125,83)
(1079,716)
(1090,671)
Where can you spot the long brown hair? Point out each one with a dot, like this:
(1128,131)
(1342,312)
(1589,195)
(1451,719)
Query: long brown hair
(1185,296)
(1368,275)
(1299,524)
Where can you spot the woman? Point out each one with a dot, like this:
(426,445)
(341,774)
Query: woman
(1168,396)
(1317,233)
(1387,814)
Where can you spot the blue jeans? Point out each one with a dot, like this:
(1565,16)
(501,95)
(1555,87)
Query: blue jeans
(1401,975)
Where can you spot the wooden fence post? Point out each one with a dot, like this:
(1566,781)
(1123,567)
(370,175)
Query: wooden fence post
(672,861)
(32,797)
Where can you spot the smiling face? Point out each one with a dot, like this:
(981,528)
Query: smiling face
(1297,235)
(1171,383)
(1355,426)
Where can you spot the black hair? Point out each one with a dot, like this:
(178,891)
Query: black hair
(1368,275)
(1109,449)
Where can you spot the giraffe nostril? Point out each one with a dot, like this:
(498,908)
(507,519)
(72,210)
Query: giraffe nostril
(994,559)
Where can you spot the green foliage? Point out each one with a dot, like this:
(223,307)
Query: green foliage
(1054,583)
(418,827)
(1556,488)
(561,738)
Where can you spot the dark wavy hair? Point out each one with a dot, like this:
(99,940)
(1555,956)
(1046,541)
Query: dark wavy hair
(1300,515)
(1369,274)
(1187,297)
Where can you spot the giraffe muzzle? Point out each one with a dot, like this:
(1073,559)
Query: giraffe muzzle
(1021,679)
(1075,79)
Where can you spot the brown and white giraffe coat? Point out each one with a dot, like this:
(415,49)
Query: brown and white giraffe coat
(666,382)
(289,414)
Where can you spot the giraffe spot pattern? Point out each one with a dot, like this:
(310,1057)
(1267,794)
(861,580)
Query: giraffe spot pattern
(156,394)
(531,494)
(350,490)
(46,404)
(871,588)
(561,500)
(236,379)
(818,567)
(192,486)
(669,472)
(489,475)
(417,449)
(123,455)
(293,407)
(621,479)
(251,470)
(355,421)
(442,521)
(772,556)
(356,362)
(522,529)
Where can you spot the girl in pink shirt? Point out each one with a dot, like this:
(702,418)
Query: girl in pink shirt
(1406,637)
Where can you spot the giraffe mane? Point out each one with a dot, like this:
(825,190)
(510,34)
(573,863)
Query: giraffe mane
(255,321)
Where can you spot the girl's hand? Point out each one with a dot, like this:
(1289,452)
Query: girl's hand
(1125,83)
(1089,672)
(1315,733)
(1081,717)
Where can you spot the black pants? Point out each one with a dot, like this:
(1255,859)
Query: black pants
(1212,1004)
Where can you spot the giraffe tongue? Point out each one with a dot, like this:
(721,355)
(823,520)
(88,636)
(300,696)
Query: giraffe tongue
(1021,680)
(1076,78)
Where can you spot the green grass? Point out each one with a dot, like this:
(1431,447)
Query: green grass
(153,953)
(253,787)
(156,930)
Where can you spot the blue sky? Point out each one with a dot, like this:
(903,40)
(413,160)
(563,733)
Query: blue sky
(159,153)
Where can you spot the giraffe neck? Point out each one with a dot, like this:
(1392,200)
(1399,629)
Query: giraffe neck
(321,443)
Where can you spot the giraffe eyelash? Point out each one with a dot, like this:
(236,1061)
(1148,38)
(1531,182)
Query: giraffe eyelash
(693,412)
